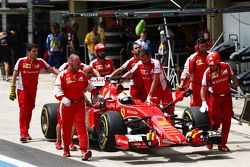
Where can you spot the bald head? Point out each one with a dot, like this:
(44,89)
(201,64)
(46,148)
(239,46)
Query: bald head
(88,71)
(74,63)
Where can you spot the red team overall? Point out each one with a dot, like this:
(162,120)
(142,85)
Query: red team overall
(137,89)
(194,68)
(153,77)
(103,65)
(28,69)
(220,109)
(69,88)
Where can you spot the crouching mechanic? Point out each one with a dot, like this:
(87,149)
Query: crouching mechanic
(220,109)
(69,88)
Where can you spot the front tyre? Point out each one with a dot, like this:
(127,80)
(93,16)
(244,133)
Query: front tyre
(193,118)
(111,123)
(49,120)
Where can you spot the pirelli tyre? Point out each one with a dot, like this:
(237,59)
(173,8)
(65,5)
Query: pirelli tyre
(49,120)
(193,118)
(110,124)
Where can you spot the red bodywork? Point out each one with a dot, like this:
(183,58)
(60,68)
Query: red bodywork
(159,130)
(161,133)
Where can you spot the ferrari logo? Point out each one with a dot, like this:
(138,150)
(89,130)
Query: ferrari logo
(123,112)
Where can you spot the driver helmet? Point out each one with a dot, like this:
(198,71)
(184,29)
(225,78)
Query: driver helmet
(99,46)
(124,98)
(213,58)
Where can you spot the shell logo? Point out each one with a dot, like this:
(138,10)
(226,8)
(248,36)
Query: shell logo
(163,123)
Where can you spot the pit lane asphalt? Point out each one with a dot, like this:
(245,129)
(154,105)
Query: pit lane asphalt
(41,152)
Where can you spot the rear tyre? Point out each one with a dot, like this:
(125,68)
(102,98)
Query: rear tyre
(111,123)
(49,120)
(193,118)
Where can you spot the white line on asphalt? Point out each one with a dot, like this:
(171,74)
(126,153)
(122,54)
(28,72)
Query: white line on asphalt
(15,162)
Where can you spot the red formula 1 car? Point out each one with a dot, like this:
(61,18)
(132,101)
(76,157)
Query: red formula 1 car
(119,121)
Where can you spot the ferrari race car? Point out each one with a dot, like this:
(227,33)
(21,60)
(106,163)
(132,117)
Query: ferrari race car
(116,120)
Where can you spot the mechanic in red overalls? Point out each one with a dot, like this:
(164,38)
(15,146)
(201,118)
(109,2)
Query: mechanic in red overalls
(137,89)
(58,142)
(28,69)
(154,79)
(220,110)
(103,65)
(69,88)
(194,68)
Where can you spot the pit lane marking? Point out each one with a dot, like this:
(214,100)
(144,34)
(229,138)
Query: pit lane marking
(11,162)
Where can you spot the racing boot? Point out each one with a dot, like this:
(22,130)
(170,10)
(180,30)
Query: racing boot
(86,155)
(28,136)
(58,145)
(66,152)
(210,146)
(223,148)
(72,147)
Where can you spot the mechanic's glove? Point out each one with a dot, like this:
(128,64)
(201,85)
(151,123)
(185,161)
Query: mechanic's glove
(240,92)
(66,101)
(204,107)
(148,99)
(107,77)
(12,93)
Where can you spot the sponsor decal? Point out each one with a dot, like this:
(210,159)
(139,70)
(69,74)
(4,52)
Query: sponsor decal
(37,66)
(68,80)
(199,62)
(220,80)
(122,141)
(132,112)
(214,75)
(144,72)
(224,72)
(99,67)
(163,123)
(31,72)
(80,79)
(157,68)
(172,131)
(26,65)
(108,66)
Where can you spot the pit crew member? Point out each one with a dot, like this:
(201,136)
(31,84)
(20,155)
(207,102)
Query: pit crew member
(137,89)
(220,110)
(28,69)
(103,65)
(194,68)
(154,79)
(69,88)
